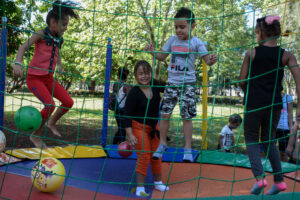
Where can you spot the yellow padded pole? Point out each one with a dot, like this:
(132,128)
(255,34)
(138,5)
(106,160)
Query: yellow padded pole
(204,106)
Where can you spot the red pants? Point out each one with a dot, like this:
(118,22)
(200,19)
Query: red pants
(145,148)
(44,87)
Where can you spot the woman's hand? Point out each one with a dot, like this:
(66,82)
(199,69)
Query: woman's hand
(131,139)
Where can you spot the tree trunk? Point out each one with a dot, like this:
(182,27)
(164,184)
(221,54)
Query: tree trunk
(92,86)
(68,85)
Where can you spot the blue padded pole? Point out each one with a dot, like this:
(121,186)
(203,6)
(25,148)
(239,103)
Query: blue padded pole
(3,54)
(106,92)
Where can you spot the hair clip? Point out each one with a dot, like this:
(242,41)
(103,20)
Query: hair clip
(270,19)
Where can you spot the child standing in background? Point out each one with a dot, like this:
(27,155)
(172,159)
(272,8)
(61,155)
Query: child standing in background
(39,78)
(226,138)
(120,89)
(181,78)
(262,85)
(285,125)
(141,125)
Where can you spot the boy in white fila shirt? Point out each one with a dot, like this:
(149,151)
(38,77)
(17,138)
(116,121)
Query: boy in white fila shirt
(184,49)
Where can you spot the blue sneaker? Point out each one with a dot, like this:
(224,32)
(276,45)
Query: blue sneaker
(159,151)
(258,187)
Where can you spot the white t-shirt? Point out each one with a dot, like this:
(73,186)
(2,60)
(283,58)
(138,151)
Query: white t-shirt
(182,64)
(284,120)
(227,134)
(121,97)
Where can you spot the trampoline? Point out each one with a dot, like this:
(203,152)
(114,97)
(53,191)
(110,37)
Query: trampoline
(112,177)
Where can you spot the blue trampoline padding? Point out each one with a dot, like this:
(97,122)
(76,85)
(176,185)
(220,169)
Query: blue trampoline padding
(171,155)
(176,155)
(112,152)
(86,174)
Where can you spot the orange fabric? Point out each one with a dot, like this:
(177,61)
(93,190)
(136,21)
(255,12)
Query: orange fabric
(145,148)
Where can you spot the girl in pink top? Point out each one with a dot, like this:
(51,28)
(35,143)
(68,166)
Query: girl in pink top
(39,78)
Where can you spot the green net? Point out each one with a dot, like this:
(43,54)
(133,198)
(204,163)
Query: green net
(228,29)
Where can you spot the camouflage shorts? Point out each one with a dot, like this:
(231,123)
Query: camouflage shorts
(187,100)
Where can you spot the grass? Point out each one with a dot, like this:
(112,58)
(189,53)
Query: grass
(83,123)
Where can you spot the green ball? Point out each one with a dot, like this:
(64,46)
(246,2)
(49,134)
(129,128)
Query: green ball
(28,119)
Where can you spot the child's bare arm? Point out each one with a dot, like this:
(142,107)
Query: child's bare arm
(159,56)
(18,70)
(245,70)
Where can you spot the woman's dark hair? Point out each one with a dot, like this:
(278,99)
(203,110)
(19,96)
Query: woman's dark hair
(61,10)
(144,64)
(235,118)
(148,69)
(123,72)
(185,13)
(269,30)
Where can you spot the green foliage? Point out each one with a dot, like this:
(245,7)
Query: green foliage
(14,16)
(133,24)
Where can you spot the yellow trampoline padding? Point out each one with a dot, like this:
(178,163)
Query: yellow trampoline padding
(59,152)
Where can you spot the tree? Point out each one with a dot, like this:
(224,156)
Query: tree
(14,16)
(133,24)
(292,42)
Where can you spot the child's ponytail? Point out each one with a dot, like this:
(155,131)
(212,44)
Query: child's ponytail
(61,10)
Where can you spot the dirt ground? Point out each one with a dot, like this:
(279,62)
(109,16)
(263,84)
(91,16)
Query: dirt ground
(86,133)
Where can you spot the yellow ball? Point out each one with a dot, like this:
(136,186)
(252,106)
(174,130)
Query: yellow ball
(48,174)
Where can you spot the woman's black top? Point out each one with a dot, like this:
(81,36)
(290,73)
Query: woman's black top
(136,106)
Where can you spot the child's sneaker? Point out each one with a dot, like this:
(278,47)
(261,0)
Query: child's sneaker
(276,188)
(158,185)
(188,156)
(258,187)
(159,151)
